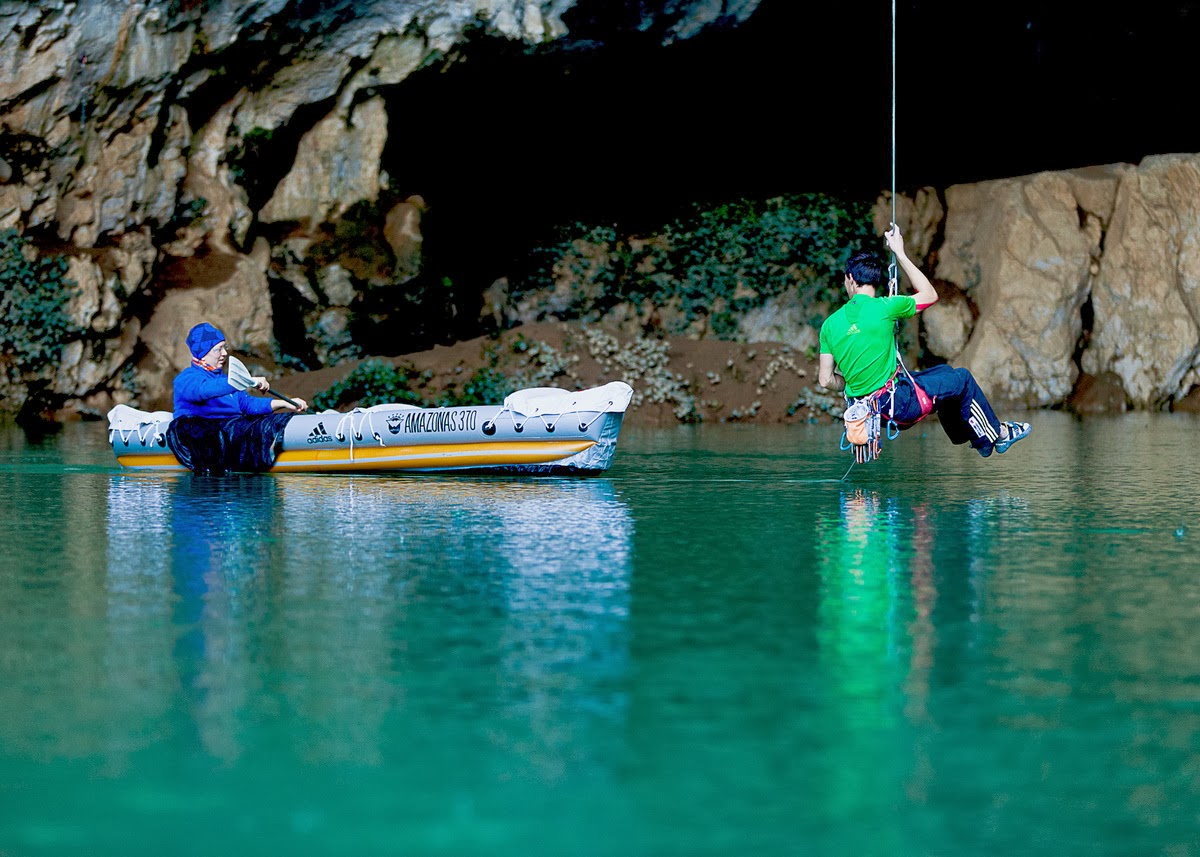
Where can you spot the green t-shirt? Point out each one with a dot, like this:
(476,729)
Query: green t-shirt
(861,338)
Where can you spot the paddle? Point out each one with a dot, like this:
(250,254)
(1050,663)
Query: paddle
(240,379)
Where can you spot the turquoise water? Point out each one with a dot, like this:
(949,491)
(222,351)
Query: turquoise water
(718,648)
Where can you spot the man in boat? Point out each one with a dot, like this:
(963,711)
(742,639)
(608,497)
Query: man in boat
(858,356)
(202,389)
(218,427)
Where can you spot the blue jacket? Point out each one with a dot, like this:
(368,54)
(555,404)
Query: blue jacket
(201,393)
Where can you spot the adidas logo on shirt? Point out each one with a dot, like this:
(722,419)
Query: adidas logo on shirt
(319,435)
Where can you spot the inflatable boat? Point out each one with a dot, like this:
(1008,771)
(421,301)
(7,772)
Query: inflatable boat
(542,430)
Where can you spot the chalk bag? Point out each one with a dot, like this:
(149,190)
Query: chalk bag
(862,430)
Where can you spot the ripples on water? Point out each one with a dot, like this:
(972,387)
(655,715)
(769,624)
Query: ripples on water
(720,647)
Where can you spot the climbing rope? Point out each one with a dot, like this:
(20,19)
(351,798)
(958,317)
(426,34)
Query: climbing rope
(893,269)
(869,451)
(893,273)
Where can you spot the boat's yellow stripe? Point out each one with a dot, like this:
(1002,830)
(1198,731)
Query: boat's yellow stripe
(154,460)
(421,457)
(431,455)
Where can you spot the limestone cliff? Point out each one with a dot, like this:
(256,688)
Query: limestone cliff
(193,159)
(137,135)
(1092,270)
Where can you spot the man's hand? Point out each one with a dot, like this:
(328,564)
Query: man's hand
(923,291)
(895,240)
(281,405)
(260,383)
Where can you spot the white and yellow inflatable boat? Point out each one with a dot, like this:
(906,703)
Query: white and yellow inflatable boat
(542,430)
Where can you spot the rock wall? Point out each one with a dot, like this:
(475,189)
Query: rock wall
(1145,297)
(1090,271)
(186,155)
(133,125)
(1023,251)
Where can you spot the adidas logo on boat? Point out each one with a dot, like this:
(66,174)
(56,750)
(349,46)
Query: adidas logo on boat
(319,435)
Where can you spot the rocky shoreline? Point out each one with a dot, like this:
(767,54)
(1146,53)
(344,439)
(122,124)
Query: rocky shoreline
(675,380)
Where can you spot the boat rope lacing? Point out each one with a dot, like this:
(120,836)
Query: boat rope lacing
(352,424)
(489,426)
(127,426)
(360,422)
(356,425)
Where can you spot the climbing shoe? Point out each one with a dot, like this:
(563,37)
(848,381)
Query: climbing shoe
(1013,432)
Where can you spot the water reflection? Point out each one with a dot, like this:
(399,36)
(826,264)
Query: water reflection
(909,585)
(860,638)
(906,577)
(925,601)
(338,602)
(859,626)
(518,588)
(187,583)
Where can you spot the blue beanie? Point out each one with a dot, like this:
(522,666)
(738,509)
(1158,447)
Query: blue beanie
(202,338)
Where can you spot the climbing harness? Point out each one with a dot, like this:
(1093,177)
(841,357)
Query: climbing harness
(864,416)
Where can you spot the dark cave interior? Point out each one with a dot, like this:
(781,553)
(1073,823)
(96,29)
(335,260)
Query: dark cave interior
(796,99)
(509,141)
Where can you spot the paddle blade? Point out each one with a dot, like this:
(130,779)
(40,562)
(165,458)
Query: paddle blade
(240,379)
(239,375)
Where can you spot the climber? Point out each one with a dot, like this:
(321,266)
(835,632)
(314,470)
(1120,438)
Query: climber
(858,356)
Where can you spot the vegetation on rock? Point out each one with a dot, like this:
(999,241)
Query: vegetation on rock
(507,367)
(716,262)
(34,322)
(373,382)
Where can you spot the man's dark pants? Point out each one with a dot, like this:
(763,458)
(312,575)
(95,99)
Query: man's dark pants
(962,408)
